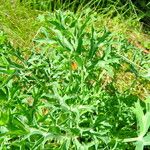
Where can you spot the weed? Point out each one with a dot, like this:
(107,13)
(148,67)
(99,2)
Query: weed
(64,95)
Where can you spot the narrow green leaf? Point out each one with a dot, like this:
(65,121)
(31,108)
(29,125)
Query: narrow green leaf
(139,115)
(139,145)
(146,139)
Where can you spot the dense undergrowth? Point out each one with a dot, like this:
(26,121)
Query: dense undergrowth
(64,94)
(78,81)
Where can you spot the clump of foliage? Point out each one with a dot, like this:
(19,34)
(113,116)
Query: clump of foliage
(63,95)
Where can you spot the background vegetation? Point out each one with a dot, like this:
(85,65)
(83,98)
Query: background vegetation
(74,75)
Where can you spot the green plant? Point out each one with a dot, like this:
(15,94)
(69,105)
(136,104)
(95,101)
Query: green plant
(143,121)
(62,95)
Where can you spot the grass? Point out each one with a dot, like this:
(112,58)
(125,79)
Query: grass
(78,84)
(19,20)
(19,23)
